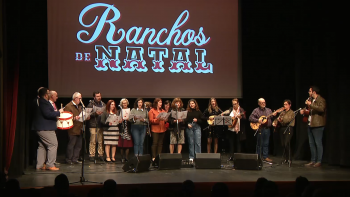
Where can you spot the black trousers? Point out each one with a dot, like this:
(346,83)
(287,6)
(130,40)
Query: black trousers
(157,144)
(234,141)
(73,148)
(285,141)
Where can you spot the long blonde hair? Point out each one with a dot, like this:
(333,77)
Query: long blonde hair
(216,106)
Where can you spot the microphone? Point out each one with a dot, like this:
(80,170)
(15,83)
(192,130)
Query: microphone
(297,110)
(119,106)
(91,101)
(177,105)
(82,103)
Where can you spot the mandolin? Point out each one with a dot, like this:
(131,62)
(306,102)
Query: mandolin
(211,122)
(256,125)
(235,119)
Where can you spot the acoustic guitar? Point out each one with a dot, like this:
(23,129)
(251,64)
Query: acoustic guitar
(307,111)
(256,125)
(211,122)
(235,119)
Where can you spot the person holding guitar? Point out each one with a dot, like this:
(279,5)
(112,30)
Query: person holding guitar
(317,121)
(236,132)
(213,131)
(264,128)
(281,123)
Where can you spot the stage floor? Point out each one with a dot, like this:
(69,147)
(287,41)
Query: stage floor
(102,171)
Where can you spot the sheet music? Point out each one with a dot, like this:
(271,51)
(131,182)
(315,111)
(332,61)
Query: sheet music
(223,120)
(180,114)
(126,113)
(87,114)
(98,109)
(114,119)
(163,115)
(136,116)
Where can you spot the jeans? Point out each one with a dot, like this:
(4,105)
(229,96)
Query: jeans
(263,142)
(315,141)
(194,139)
(138,133)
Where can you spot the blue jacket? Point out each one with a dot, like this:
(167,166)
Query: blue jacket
(44,116)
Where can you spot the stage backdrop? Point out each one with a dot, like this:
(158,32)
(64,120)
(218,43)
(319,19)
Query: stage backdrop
(155,48)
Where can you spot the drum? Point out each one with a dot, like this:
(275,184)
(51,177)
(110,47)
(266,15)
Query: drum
(65,121)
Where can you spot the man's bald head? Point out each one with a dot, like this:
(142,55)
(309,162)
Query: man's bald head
(53,96)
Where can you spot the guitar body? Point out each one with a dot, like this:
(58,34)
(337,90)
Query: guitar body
(306,115)
(234,120)
(211,122)
(264,120)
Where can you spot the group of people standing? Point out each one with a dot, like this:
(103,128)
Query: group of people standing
(143,119)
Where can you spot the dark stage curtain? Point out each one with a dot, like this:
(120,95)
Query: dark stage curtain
(11,80)
(287,47)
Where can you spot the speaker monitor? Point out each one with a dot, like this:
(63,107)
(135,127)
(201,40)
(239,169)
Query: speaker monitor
(244,161)
(168,161)
(208,161)
(138,164)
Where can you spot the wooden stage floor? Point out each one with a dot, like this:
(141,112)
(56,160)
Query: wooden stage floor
(102,171)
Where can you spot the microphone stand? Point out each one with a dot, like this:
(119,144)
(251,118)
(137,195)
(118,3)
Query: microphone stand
(288,128)
(177,131)
(82,178)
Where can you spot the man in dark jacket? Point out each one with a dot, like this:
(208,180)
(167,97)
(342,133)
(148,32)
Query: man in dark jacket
(317,121)
(96,130)
(44,123)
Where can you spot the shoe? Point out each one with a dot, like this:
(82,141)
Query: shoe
(122,160)
(69,162)
(268,159)
(230,159)
(284,162)
(113,160)
(310,164)
(42,168)
(107,158)
(53,168)
(126,160)
(317,165)
(191,161)
(57,164)
(77,162)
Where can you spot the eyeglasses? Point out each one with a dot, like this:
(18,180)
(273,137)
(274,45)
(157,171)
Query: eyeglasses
(262,102)
(234,103)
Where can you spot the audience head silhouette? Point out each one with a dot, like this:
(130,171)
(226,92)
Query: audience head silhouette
(62,185)
(259,186)
(188,187)
(300,184)
(220,190)
(110,188)
(270,189)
